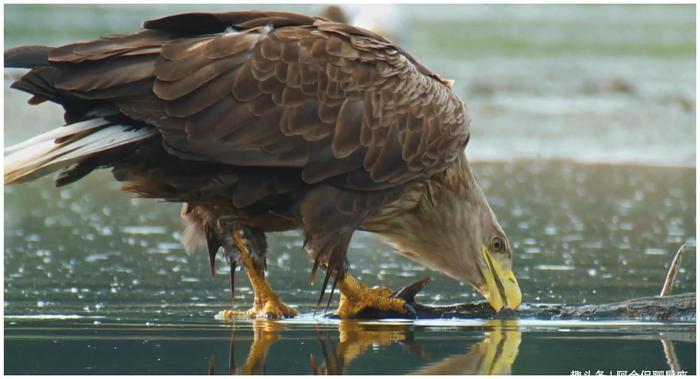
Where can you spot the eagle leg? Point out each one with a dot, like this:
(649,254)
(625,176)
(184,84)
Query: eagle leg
(359,301)
(330,216)
(267,303)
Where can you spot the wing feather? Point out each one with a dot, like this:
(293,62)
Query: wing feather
(338,102)
(346,138)
(171,90)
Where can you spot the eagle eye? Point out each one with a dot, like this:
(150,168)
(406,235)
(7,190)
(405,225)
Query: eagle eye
(498,244)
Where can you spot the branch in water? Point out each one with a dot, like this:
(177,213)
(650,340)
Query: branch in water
(672,272)
(667,308)
(664,307)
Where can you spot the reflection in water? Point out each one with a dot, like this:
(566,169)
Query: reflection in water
(265,333)
(354,339)
(494,355)
(670,354)
(430,347)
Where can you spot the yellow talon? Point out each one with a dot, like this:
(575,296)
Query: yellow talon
(267,303)
(356,297)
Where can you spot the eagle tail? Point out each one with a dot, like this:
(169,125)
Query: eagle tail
(83,145)
(27,56)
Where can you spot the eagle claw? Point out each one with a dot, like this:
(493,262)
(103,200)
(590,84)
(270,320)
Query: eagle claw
(410,310)
(409,292)
(358,301)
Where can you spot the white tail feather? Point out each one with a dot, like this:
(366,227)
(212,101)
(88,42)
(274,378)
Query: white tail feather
(61,132)
(65,146)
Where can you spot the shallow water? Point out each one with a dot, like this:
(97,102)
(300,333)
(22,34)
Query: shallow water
(94,279)
(480,347)
(97,273)
(581,234)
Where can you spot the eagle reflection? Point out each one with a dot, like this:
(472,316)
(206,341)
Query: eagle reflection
(265,333)
(355,339)
(494,355)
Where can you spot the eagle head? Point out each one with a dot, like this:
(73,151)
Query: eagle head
(446,224)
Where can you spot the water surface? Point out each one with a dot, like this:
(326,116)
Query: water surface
(102,276)
(479,347)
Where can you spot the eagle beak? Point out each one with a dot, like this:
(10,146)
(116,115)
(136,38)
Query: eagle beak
(501,290)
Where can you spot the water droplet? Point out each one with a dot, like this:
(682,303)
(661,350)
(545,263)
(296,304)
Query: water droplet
(555,267)
(654,251)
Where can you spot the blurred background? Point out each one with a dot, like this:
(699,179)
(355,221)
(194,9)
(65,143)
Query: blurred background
(583,137)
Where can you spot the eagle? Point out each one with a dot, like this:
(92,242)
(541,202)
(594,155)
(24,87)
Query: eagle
(262,121)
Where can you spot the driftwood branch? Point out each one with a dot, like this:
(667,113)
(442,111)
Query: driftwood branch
(672,272)
(665,307)
(679,307)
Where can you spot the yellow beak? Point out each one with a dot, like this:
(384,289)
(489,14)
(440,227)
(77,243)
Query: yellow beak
(502,290)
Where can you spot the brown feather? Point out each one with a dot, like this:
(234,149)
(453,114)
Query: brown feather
(176,89)
(347,128)
(201,98)
(100,75)
(344,112)
(245,87)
